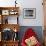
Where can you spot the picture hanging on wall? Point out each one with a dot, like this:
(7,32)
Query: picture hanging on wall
(29,13)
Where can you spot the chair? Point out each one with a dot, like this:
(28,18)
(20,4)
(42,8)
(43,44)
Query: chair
(28,34)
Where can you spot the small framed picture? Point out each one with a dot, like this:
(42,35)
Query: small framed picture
(5,12)
(29,13)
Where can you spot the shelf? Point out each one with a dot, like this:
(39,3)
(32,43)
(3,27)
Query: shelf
(9,23)
(6,12)
(11,41)
(9,10)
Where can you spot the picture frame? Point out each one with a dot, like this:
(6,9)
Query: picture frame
(29,13)
(5,12)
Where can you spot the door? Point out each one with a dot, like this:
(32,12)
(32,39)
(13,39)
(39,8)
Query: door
(44,6)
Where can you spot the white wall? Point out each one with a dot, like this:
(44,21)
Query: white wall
(27,4)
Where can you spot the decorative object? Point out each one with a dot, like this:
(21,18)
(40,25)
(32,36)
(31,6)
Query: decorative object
(6,21)
(31,41)
(29,13)
(7,34)
(13,12)
(15,30)
(15,37)
(15,3)
(5,12)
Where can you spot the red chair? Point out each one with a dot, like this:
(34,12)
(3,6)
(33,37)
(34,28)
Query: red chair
(29,33)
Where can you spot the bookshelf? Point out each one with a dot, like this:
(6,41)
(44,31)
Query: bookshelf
(9,20)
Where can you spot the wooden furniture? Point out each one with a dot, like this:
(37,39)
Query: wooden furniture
(7,23)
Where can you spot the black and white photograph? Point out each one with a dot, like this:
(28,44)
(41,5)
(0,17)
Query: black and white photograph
(29,13)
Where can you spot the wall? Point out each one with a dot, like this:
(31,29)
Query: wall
(38,21)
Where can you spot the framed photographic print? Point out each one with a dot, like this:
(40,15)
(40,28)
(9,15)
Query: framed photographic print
(29,13)
(5,12)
